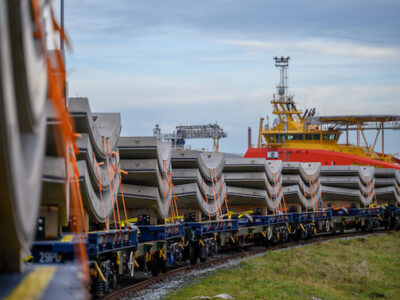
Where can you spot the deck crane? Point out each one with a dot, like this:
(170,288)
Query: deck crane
(184,132)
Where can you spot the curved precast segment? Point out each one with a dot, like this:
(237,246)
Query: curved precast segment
(294,194)
(198,177)
(139,196)
(98,203)
(365,173)
(146,147)
(192,196)
(97,161)
(309,172)
(348,183)
(301,184)
(209,164)
(143,174)
(98,158)
(348,195)
(255,197)
(387,182)
(255,179)
(272,169)
(185,176)
(147,174)
(98,169)
(388,194)
(23,90)
(100,127)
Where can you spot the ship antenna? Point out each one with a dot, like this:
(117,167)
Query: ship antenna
(282,63)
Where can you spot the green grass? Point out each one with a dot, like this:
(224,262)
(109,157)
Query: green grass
(364,267)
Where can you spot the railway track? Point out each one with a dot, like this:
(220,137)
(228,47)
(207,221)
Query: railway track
(132,290)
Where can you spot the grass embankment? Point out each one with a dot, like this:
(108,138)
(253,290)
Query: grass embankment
(364,267)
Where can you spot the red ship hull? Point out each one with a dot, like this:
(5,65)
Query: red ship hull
(322,156)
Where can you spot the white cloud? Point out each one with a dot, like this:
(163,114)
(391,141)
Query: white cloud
(328,47)
(345,100)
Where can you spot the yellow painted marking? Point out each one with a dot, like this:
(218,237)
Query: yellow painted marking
(29,258)
(34,284)
(99,272)
(170,219)
(66,238)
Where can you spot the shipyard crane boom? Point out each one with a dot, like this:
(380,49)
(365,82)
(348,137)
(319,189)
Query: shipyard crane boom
(184,132)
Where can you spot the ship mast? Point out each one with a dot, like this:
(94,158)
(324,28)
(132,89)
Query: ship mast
(284,106)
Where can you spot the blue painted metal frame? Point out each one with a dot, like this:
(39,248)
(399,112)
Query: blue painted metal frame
(201,228)
(281,219)
(371,211)
(101,241)
(266,220)
(98,242)
(256,221)
(396,210)
(61,252)
(160,232)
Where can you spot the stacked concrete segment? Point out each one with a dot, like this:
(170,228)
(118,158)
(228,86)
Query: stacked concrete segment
(302,188)
(97,163)
(23,96)
(198,181)
(344,185)
(146,179)
(253,183)
(387,186)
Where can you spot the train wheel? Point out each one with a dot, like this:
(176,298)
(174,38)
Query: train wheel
(99,288)
(203,254)
(304,234)
(193,253)
(342,228)
(311,231)
(369,225)
(114,282)
(270,233)
(294,235)
(155,270)
(285,235)
(275,238)
(327,226)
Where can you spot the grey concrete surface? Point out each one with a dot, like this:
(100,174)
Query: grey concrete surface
(23,89)
(147,184)
(387,182)
(198,180)
(100,126)
(352,184)
(253,182)
(98,167)
(301,184)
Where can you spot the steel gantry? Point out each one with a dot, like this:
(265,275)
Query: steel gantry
(184,132)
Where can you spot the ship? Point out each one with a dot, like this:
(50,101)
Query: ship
(307,137)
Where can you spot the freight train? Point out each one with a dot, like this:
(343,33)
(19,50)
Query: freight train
(73,190)
(116,255)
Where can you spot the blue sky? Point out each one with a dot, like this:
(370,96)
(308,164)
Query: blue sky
(197,62)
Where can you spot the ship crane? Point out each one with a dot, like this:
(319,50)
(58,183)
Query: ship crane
(184,132)
(359,123)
